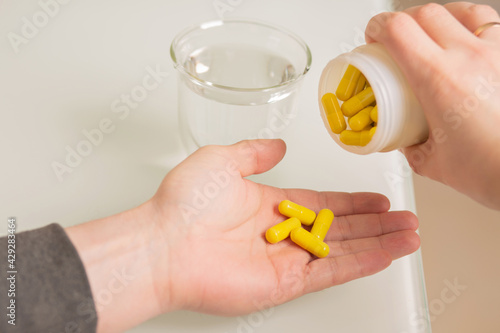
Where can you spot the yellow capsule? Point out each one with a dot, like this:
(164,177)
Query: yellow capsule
(322,224)
(374,114)
(309,242)
(333,113)
(360,85)
(282,230)
(361,119)
(348,83)
(372,131)
(291,209)
(358,102)
(353,138)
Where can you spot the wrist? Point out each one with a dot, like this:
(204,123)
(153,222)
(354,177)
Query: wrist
(121,255)
(491,196)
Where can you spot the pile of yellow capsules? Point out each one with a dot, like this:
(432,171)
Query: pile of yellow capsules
(311,241)
(359,108)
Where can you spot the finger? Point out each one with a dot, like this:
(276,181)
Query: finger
(370,225)
(393,29)
(407,43)
(340,203)
(331,271)
(398,244)
(255,156)
(472,16)
(420,162)
(440,25)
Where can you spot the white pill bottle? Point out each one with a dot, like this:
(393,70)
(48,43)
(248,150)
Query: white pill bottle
(401,121)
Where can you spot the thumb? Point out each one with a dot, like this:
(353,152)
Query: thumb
(256,156)
(420,157)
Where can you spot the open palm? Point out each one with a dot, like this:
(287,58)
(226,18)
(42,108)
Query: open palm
(214,221)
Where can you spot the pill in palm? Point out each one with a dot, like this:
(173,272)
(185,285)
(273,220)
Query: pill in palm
(291,209)
(322,223)
(309,242)
(282,230)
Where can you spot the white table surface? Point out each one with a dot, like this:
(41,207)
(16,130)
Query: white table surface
(65,78)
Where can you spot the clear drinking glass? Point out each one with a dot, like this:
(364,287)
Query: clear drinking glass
(237,80)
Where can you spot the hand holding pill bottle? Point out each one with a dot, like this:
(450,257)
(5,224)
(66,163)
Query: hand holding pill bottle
(455,76)
(437,94)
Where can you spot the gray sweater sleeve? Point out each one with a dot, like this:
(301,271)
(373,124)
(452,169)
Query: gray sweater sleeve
(52,292)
